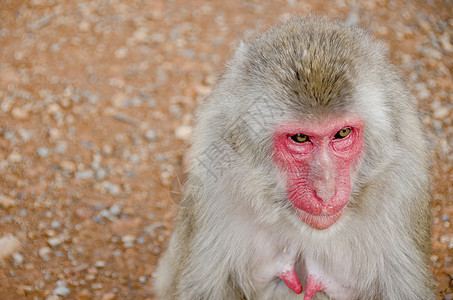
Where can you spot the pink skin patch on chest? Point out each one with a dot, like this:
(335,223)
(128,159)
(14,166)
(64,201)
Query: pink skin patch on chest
(318,168)
(314,284)
(291,280)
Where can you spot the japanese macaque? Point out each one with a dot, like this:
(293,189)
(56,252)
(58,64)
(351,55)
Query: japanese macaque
(308,178)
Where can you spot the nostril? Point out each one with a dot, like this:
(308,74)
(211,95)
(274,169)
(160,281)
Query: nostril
(325,193)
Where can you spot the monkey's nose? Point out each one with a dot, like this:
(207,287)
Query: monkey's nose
(325,195)
(325,190)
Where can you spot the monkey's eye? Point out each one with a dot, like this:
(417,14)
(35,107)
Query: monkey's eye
(342,133)
(300,138)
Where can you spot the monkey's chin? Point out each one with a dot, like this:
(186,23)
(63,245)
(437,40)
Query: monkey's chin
(318,222)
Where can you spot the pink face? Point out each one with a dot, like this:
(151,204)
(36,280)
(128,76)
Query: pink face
(317,159)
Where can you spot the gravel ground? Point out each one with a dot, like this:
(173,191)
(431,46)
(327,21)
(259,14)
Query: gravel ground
(96,106)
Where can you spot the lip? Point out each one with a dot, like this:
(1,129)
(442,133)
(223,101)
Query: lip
(318,222)
(319,208)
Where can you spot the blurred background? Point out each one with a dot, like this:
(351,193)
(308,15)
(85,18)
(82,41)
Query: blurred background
(96,110)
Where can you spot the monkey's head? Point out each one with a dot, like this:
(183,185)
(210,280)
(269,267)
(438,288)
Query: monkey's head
(303,99)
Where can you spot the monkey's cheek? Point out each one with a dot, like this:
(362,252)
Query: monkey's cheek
(318,222)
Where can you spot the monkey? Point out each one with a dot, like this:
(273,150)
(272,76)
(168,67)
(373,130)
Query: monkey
(308,177)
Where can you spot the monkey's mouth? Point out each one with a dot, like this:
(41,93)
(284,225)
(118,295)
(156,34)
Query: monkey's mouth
(318,222)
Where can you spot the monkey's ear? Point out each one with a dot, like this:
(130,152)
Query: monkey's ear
(240,55)
(241,50)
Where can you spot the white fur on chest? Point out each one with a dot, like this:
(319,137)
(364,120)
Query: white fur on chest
(331,285)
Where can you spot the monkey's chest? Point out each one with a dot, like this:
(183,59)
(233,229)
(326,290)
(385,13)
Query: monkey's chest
(307,276)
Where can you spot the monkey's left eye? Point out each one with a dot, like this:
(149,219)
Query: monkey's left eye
(300,138)
(342,133)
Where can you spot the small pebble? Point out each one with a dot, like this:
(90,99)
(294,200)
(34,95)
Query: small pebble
(55,224)
(445,217)
(85,174)
(68,165)
(6,202)
(101,174)
(56,241)
(115,210)
(151,135)
(43,151)
(99,264)
(108,296)
(62,289)
(128,240)
(183,133)
(18,259)
(9,244)
(441,113)
(143,279)
(61,147)
(14,157)
(44,253)
(112,188)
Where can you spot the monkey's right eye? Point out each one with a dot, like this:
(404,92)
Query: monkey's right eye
(300,138)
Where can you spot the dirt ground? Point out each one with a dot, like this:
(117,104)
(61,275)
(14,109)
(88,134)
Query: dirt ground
(96,107)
